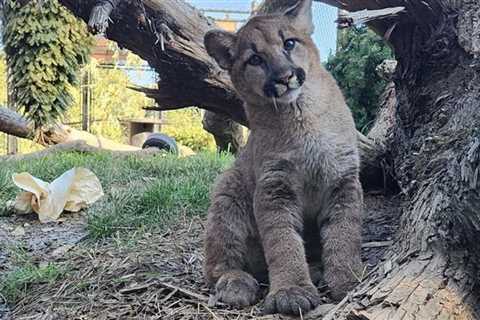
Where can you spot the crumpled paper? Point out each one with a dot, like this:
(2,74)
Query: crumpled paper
(73,191)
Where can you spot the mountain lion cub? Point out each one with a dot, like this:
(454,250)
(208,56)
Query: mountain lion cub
(291,205)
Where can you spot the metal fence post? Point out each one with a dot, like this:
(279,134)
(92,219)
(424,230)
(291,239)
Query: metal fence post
(12,141)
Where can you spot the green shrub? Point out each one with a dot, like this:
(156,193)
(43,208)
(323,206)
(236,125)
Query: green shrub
(353,66)
(186,127)
(45,46)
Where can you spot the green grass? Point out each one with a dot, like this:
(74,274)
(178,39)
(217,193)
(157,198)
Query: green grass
(15,283)
(140,193)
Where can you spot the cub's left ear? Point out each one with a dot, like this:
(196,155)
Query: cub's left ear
(301,16)
(219,45)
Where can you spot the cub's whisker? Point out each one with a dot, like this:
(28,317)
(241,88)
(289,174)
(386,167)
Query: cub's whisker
(275,104)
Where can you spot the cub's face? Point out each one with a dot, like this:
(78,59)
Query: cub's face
(269,58)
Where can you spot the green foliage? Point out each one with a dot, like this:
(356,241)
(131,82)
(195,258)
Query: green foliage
(140,193)
(45,46)
(360,52)
(186,127)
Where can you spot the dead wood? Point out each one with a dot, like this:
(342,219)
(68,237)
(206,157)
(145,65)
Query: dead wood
(432,270)
(347,19)
(14,124)
(184,292)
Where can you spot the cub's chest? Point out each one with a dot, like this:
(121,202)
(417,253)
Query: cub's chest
(319,165)
(316,160)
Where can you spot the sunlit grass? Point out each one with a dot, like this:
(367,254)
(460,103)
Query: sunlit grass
(141,193)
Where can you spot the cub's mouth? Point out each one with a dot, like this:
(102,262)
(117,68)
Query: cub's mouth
(285,87)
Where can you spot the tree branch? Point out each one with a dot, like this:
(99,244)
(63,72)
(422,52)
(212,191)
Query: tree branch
(100,15)
(14,124)
(347,19)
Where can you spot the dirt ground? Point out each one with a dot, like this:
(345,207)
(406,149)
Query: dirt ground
(156,276)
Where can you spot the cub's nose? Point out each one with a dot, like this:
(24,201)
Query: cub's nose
(285,77)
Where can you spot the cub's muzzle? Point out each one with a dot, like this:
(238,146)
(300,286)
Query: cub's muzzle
(278,85)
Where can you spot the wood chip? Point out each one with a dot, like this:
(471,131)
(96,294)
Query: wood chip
(185,292)
(377,244)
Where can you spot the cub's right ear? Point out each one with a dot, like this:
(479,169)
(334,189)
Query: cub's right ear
(219,45)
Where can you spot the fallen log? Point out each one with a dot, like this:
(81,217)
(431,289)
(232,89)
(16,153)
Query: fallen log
(14,124)
(77,146)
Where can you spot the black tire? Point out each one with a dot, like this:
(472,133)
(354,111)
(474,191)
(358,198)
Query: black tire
(162,142)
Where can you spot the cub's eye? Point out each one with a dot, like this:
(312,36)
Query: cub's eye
(255,60)
(289,44)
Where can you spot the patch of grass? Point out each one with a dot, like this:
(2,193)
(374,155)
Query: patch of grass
(15,284)
(140,193)
(7,189)
(167,189)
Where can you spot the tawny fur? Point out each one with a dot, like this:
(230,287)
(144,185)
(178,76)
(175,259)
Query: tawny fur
(292,198)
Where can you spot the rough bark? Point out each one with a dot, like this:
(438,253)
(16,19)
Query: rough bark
(13,124)
(377,170)
(431,272)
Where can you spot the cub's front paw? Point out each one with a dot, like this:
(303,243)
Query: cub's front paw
(339,288)
(291,300)
(341,280)
(237,288)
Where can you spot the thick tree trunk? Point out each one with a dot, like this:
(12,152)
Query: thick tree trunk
(431,272)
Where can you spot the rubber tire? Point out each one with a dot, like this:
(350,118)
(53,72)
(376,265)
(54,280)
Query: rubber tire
(162,142)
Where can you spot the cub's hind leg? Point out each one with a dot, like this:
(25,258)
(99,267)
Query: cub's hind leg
(230,234)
